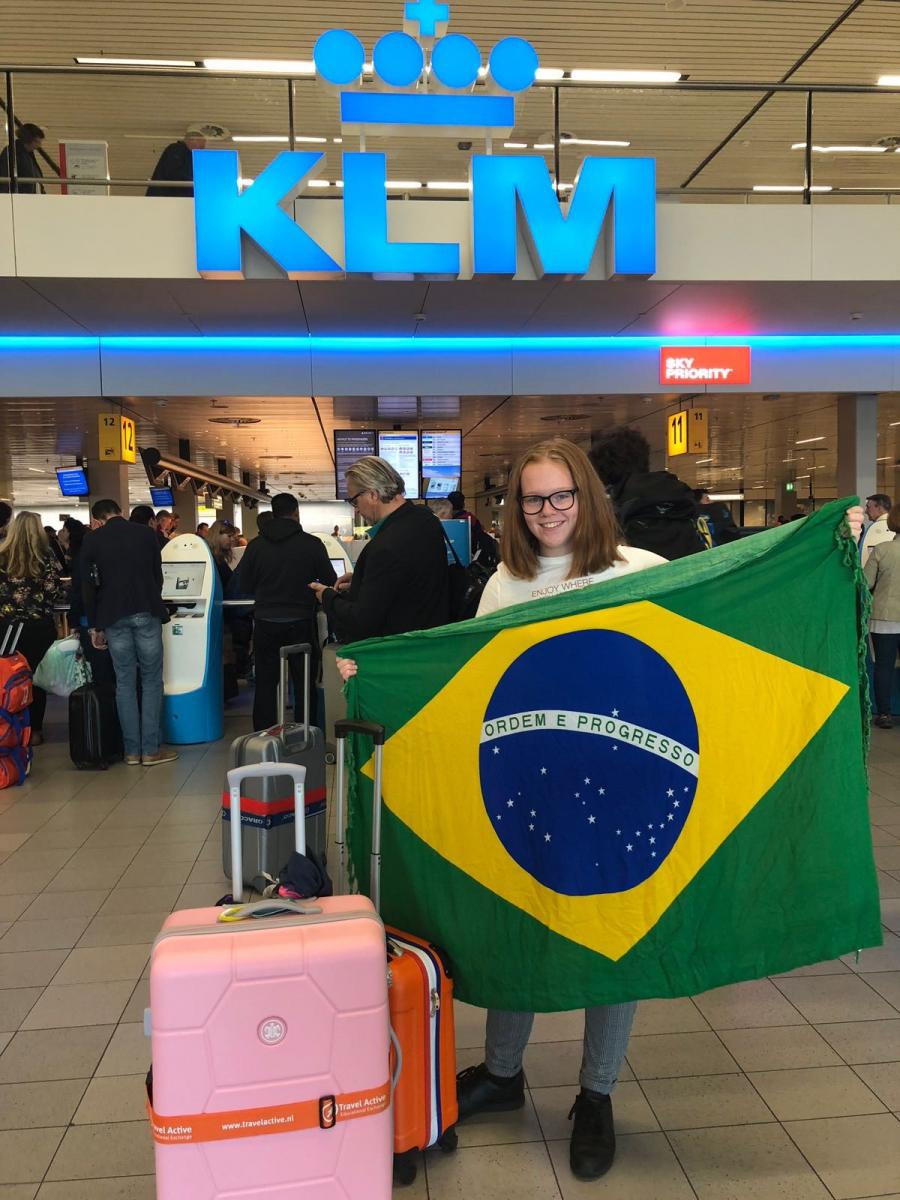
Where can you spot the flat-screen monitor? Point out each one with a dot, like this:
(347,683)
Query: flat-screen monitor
(350,445)
(441,452)
(400,447)
(183,580)
(340,567)
(162,497)
(72,481)
(439,487)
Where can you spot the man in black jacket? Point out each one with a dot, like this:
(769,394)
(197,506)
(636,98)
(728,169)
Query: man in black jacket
(401,580)
(656,511)
(176,163)
(121,579)
(276,570)
(28,171)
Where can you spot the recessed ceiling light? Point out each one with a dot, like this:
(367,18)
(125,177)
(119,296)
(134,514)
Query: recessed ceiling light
(577,141)
(448,185)
(790,187)
(103,61)
(840,149)
(261,137)
(590,75)
(402,185)
(549,74)
(806,441)
(889,80)
(515,145)
(261,66)
(702,462)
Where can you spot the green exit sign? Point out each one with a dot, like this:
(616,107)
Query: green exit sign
(788,487)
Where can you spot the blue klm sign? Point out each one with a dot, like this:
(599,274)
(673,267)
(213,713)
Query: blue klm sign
(507,191)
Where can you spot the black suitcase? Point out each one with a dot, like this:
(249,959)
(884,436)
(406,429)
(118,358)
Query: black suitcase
(95,736)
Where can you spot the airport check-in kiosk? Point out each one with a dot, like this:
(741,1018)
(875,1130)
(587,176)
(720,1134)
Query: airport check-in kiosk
(192,643)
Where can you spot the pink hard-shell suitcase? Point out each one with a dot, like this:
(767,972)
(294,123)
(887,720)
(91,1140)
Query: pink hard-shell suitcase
(271,1045)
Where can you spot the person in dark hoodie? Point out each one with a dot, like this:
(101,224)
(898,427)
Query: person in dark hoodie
(656,511)
(276,570)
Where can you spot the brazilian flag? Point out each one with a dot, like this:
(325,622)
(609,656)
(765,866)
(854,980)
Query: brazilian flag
(642,788)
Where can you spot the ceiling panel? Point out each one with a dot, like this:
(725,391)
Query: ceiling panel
(731,40)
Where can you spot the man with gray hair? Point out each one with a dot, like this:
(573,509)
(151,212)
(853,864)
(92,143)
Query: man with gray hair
(401,580)
(176,163)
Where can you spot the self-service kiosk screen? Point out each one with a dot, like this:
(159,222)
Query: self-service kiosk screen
(183,581)
(401,449)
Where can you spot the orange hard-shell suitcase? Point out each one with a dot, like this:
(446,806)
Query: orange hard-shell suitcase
(420,994)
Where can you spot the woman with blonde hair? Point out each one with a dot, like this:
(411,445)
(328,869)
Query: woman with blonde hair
(220,537)
(29,587)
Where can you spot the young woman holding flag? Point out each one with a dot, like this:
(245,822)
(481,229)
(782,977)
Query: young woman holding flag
(560,534)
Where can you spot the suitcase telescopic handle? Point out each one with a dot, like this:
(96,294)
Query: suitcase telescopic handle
(235,778)
(377,733)
(286,653)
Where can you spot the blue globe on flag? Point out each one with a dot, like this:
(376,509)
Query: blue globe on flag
(589,761)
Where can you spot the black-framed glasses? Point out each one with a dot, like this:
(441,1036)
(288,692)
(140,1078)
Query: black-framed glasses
(533,505)
(351,500)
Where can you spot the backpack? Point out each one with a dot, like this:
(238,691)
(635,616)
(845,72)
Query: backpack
(657,512)
(466,583)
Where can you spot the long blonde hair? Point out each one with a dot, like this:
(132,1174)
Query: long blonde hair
(596,529)
(25,549)
(212,536)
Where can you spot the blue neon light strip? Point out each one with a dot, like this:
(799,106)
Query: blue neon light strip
(388,108)
(449,345)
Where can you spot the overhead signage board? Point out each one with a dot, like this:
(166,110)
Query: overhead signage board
(688,432)
(117,438)
(718,366)
(425,86)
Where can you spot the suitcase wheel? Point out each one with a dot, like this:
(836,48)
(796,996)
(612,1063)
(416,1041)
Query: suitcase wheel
(406,1167)
(449,1140)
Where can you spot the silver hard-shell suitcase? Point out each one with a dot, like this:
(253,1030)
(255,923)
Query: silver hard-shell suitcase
(267,804)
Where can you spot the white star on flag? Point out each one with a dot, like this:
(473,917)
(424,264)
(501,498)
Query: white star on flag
(543,770)
(675,803)
(629,847)
(547,837)
(592,820)
(496,749)
(531,827)
(510,804)
(653,841)
(601,791)
(615,712)
(670,793)
(586,780)
(533,813)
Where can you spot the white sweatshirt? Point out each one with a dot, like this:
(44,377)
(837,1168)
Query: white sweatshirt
(503,589)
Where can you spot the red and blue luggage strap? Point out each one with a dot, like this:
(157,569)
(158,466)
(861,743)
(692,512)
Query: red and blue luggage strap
(267,814)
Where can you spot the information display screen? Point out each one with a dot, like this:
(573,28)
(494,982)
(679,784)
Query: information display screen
(183,581)
(72,481)
(441,461)
(401,449)
(162,497)
(339,566)
(350,445)
(439,488)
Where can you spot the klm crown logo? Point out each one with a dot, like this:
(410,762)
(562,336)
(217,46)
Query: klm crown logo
(427,80)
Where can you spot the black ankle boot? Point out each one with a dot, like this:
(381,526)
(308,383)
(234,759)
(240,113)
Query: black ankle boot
(593,1144)
(479,1091)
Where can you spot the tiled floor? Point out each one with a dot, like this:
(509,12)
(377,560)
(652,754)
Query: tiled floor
(782,1088)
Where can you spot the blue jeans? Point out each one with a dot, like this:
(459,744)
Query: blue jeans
(136,641)
(606,1032)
